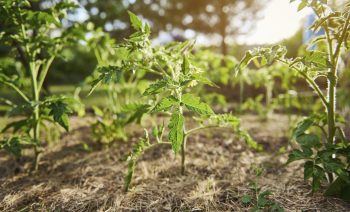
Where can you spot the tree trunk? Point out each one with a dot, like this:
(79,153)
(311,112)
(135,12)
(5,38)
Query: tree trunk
(223,45)
(222,27)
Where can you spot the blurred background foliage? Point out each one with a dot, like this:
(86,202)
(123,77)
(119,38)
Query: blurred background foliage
(215,24)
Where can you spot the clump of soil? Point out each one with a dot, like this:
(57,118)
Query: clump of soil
(218,172)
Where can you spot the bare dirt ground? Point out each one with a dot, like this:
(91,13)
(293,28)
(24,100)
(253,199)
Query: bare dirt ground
(218,172)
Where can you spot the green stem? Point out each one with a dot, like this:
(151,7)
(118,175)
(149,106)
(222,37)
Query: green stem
(241,92)
(311,82)
(341,133)
(44,72)
(183,144)
(341,40)
(36,127)
(268,95)
(162,70)
(315,87)
(18,91)
(37,156)
(98,56)
(152,71)
(331,108)
(35,92)
(183,155)
(322,130)
(200,128)
(332,84)
(332,89)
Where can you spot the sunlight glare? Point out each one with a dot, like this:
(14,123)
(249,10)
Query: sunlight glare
(280,20)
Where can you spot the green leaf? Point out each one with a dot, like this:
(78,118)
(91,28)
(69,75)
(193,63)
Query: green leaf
(138,149)
(194,104)
(318,58)
(24,124)
(319,22)
(203,79)
(135,21)
(228,120)
(339,188)
(158,132)
(97,111)
(106,75)
(262,198)
(333,165)
(308,169)
(137,111)
(185,65)
(246,199)
(176,131)
(318,176)
(296,155)
(309,140)
(165,104)
(156,87)
(276,207)
(128,176)
(12,145)
(244,62)
(302,127)
(302,5)
(66,5)
(59,111)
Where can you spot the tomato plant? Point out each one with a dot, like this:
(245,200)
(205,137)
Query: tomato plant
(170,93)
(260,198)
(329,157)
(29,35)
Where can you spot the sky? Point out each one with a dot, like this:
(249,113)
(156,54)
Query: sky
(280,20)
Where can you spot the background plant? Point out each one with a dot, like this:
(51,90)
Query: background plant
(36,39)
(123,92)
(328,157)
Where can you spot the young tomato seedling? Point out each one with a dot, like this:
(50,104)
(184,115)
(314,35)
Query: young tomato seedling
(260,199)
(325,158)
(170,93)
(27,32)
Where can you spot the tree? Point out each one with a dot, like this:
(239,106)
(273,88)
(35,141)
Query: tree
(111,15)
(226,18)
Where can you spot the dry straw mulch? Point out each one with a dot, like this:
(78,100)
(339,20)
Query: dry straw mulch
(219,170)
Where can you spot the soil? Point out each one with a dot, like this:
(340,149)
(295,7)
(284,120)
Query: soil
(219,171)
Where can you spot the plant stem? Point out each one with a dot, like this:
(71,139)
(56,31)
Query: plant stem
(43,73)
(35,92)
(183,155)
(36,112)
(341,133)
(311,82)
(268,95)
(331,107)
(315,87)
(332,89)
(183,144)
(200,128)
(18,91)
(241,93)
(37,157)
